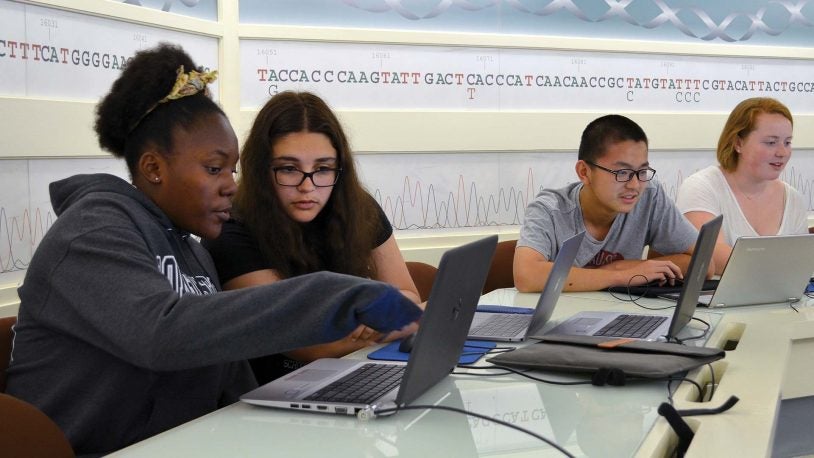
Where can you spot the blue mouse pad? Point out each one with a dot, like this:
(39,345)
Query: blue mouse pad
(473,350)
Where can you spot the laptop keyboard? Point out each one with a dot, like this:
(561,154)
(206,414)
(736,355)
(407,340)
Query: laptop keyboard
(502,324)
(362,386)
(635,326)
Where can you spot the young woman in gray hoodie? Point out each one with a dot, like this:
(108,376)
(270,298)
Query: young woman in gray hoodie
(122,331)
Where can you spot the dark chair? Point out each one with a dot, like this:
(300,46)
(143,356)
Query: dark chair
(25,430)
(5,348)
(500,272)
(28,432)
(423,275)
(811,230)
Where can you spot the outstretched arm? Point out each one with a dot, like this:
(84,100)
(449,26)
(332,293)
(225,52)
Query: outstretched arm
(128,307)
(390,268)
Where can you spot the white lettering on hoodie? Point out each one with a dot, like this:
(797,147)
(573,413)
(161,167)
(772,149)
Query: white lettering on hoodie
(182,283)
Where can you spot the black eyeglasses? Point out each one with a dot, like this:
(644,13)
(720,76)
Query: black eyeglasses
(625,175)
(323,177)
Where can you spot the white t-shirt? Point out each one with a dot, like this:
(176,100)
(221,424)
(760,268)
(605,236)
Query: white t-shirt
(708,191)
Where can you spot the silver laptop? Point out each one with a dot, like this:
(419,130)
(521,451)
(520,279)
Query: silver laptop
(652,327)
(331,385)
(764,270)
(515,327)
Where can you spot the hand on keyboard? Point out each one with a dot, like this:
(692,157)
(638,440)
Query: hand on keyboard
(673,282)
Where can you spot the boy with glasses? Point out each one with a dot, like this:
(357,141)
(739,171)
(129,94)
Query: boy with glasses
(620,210)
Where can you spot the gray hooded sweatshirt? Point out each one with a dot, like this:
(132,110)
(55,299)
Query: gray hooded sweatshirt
(122,332)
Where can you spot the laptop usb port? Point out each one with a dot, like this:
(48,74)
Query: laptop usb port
(322,407)
(295,406)
(306,406)
(341,410)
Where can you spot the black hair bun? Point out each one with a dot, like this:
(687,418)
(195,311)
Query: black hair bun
(147,78)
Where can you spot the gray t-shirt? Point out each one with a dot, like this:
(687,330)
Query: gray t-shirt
(555,215)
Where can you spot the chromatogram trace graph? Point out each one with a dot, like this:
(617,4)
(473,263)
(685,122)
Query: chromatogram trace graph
(795,177)
(469,197)
(436,191)
(20,237)
(459,190)
(26,213)
(460,209)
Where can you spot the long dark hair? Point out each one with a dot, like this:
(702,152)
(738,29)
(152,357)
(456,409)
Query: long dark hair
(342,237)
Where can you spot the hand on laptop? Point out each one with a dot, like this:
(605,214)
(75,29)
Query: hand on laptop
(365,334)
(410,329)
(640,272)
(390,311)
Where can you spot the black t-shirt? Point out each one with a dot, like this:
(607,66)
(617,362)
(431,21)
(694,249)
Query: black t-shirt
(236,251)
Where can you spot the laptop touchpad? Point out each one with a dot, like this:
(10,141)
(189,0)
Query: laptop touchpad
(311,375)
(584,324)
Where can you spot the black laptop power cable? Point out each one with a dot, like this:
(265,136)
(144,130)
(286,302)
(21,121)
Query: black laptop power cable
(633,298)
(712,380)
(372,412)
(703,334)
(670,381)
(793,300)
